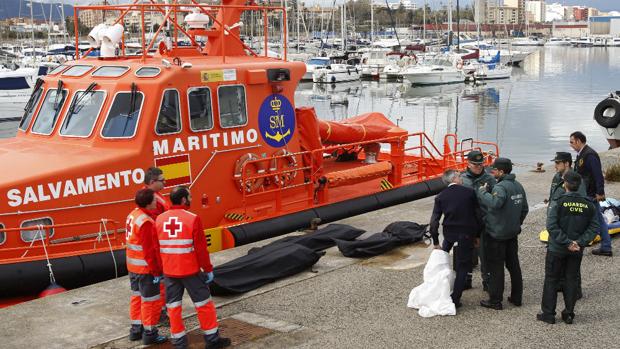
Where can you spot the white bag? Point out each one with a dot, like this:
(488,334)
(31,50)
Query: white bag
(433,296)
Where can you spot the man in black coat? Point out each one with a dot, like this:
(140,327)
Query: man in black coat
(459,207)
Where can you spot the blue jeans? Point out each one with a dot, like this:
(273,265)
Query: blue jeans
(604,229)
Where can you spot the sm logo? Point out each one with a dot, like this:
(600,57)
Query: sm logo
(276,120)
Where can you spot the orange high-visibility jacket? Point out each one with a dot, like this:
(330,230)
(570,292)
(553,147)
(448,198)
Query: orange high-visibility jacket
(142,256)
(182,243)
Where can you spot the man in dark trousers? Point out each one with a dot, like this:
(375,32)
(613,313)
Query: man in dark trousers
(461,222)
(588,165)
(506,207)
(572,223)
(187,266)
(473,177)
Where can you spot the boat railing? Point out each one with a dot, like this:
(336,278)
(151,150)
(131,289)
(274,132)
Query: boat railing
(43,242)
(422,161)
(174,13)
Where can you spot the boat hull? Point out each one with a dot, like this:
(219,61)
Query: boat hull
(434,78)
(17,279)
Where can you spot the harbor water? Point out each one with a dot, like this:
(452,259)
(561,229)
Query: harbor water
(530,116)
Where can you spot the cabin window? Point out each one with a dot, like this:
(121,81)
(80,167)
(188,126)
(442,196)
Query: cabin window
(148,72)
(232,106)
(123,117)
(82,113)
(30,108)
(57,70)
(37,234)
(2,234)
(169,119)
(48,113)
(77,70)
(200,115)
(110,71)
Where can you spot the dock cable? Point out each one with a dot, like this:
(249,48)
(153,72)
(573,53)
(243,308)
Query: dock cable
(100,237)
(47,257)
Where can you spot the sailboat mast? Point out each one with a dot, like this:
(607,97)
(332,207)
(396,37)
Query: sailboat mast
(372,21)
(34,56)
(449,23)
(297,15)
(424,23)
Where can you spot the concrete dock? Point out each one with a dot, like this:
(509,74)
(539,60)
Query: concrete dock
(351,303)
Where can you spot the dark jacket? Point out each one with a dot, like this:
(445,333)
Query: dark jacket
(506,207)
(572,217)
(557,188)
(588,165)
(459,207)
(473,181)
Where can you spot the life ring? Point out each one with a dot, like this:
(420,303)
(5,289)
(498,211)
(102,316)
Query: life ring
(283,160)
(607,113)
(459,64)
(251,185)
(162,48)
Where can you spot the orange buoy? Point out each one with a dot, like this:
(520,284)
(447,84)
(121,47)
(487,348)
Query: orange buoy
(51,290)
(251,185)
(283,160)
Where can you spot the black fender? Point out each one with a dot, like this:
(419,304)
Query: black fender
(607,121)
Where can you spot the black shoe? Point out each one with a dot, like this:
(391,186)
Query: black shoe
(154,339)
(488,304)
(599,252)
(516,304)
(135,332)
(541,317)
(458,305)
(221,342)
(135,336)
(567,318)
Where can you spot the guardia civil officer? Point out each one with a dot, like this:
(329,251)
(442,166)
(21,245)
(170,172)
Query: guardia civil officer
(187,266)
(506,207)
(588,165)
(474,177)
(572,223)
(144,267)
(459,207)
(563,163)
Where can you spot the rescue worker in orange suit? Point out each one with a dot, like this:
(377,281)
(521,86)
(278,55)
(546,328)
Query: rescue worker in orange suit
(145,270)
(186,264)
(154,179)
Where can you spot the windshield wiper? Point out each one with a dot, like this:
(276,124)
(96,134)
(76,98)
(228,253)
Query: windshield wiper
(132,99)
(35,91)
(76,107)
(58,93)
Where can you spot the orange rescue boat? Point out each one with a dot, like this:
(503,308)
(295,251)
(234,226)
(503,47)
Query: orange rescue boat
(219,118)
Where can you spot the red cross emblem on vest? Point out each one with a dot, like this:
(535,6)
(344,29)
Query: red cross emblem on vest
(173,227)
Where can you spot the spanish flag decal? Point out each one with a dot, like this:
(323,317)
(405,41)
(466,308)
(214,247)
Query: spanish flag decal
(177,170)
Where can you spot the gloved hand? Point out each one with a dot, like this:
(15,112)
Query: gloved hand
(210,277)
(157,279)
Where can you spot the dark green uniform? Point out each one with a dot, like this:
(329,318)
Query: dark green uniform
(557,188)
(474,181)
(572,217)
(506,207)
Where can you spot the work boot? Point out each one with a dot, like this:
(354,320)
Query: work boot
(542,317)
(488,304)
(599,252)
(515,303)
(164,320)
(135,332)
(153,337)
(220,342)
(568,318)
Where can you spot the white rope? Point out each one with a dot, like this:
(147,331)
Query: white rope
(100,237)
(49,264)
